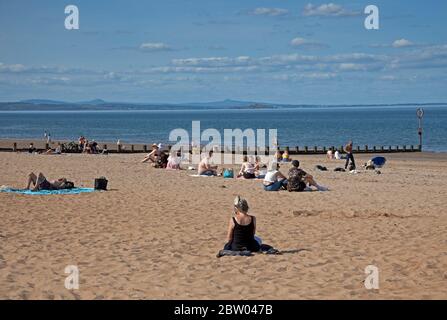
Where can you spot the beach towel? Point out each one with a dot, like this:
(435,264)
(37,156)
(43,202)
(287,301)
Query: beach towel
(223,253)
(265,249)
(47,192)
(201,175)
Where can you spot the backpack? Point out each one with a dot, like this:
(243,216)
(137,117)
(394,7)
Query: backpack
(228,173)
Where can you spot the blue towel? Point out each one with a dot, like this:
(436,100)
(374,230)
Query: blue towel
(48,192)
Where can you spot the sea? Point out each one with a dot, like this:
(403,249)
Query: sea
(319,126)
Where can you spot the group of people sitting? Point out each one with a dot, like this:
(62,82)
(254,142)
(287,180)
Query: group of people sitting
(297,181)
(283,156)
(160,159)
(58,150)
(87,146)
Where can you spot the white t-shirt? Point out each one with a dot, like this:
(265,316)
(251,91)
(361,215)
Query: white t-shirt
(271,176)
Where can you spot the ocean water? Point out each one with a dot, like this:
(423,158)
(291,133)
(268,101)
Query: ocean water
(295,126)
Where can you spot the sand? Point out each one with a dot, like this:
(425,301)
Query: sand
(155,234)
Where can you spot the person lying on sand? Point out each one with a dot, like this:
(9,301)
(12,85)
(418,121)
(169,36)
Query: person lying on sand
(298,179)
(153,155)
(41,183)
(248,169)
(274,180)
(205,168)
(58,150)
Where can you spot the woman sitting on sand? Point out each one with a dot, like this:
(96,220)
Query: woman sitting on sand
(41,183)
(174,160)
(274,180)
(248,169)
(153,155)
(285,155)
(242,229)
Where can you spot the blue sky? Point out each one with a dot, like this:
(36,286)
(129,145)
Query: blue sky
(300,52)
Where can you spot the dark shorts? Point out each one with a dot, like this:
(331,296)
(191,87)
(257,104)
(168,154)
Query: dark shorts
(45,185)
(301,186)
(249,175)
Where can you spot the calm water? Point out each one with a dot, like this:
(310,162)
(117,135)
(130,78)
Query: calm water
(296,127)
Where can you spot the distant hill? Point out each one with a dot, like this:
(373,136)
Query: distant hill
(42,101)
(99,104)
(94,102)
(220,104)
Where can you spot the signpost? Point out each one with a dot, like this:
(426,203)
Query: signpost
(420,115)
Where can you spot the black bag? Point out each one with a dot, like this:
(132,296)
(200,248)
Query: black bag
(101,183)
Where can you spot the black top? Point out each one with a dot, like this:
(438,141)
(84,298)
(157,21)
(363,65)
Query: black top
(243,237)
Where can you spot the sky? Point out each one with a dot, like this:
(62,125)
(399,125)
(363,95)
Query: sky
(297,52)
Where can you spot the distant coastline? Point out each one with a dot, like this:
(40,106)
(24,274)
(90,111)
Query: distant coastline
(101,105)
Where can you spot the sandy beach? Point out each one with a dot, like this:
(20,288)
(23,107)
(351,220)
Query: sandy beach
(156,233)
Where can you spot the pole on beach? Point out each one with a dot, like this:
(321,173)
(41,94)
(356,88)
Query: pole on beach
(420,115)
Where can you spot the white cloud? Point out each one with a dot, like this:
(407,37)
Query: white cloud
(402,43)
(296,42)
(274,12)
(304,43)
(328,10)
(301,76)
(13,68)
(154,46)
(352,67)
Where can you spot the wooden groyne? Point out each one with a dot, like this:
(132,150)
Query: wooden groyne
(41,146)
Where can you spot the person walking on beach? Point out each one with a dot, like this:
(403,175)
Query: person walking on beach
(349,156)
